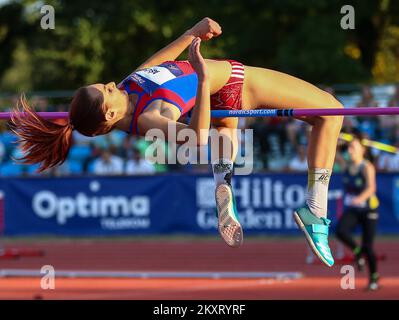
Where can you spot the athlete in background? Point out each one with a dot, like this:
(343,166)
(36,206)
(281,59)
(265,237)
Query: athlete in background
(360,208)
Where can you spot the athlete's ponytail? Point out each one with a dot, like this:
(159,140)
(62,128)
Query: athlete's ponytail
(47,142)
(41,141)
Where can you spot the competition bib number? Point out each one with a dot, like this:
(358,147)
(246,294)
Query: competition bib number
(152,78)
(158,75)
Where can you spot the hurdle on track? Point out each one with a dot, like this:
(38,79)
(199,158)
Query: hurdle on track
(262,113)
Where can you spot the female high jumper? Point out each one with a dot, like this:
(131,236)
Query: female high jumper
(161,90)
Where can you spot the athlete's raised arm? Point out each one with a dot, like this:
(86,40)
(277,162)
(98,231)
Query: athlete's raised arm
(201,117)
(205,29)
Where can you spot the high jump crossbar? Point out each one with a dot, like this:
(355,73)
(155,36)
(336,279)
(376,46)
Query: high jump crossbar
(262,113)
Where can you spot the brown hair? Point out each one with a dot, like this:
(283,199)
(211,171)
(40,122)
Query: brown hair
(48,143)
(359,136)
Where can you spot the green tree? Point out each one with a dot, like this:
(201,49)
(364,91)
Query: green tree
(96,41)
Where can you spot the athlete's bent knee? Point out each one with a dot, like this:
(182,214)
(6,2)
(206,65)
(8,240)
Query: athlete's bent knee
(333,103)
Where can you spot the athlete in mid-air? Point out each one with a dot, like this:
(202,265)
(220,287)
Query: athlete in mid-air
(161,90)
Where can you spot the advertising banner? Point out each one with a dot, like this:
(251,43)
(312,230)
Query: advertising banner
(165,204)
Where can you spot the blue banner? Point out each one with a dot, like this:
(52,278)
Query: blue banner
(173,203)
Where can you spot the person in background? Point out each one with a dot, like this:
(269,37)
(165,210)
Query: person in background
(394,101)
(2,151)
(367,98)
(360,208)
(270,135)
(389,162)
(368,124)
(299,162)
(139,165)
(388,123)
(108,164)
(60,171)
(259,125)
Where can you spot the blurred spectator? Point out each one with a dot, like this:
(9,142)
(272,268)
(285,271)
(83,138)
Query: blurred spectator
(128,144)
(43,104)
(115,138)
(14,101)
(158,151)
(388,123)
(80,139)
(389,161)
(369,124)
(58,171)
(40,104)
(299,162)
(2,151)
(108,164)
(94,154)
(367,98)
(394,101)
(270,135)
(349,124)
(297,131)
(139,165)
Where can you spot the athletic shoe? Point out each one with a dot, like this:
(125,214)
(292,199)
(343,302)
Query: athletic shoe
(373,283)
(316,233)
(228,225)
(359,260)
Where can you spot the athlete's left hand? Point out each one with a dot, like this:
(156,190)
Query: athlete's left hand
(206,29)
(196,60)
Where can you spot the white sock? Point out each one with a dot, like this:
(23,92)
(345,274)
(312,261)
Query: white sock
(317,196)
(222,171)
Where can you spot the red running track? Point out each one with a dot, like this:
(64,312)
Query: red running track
(272,255)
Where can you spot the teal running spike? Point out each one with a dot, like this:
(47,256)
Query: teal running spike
(316,233)
(228,225)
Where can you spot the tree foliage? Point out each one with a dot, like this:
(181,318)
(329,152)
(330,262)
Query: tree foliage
(99,41)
